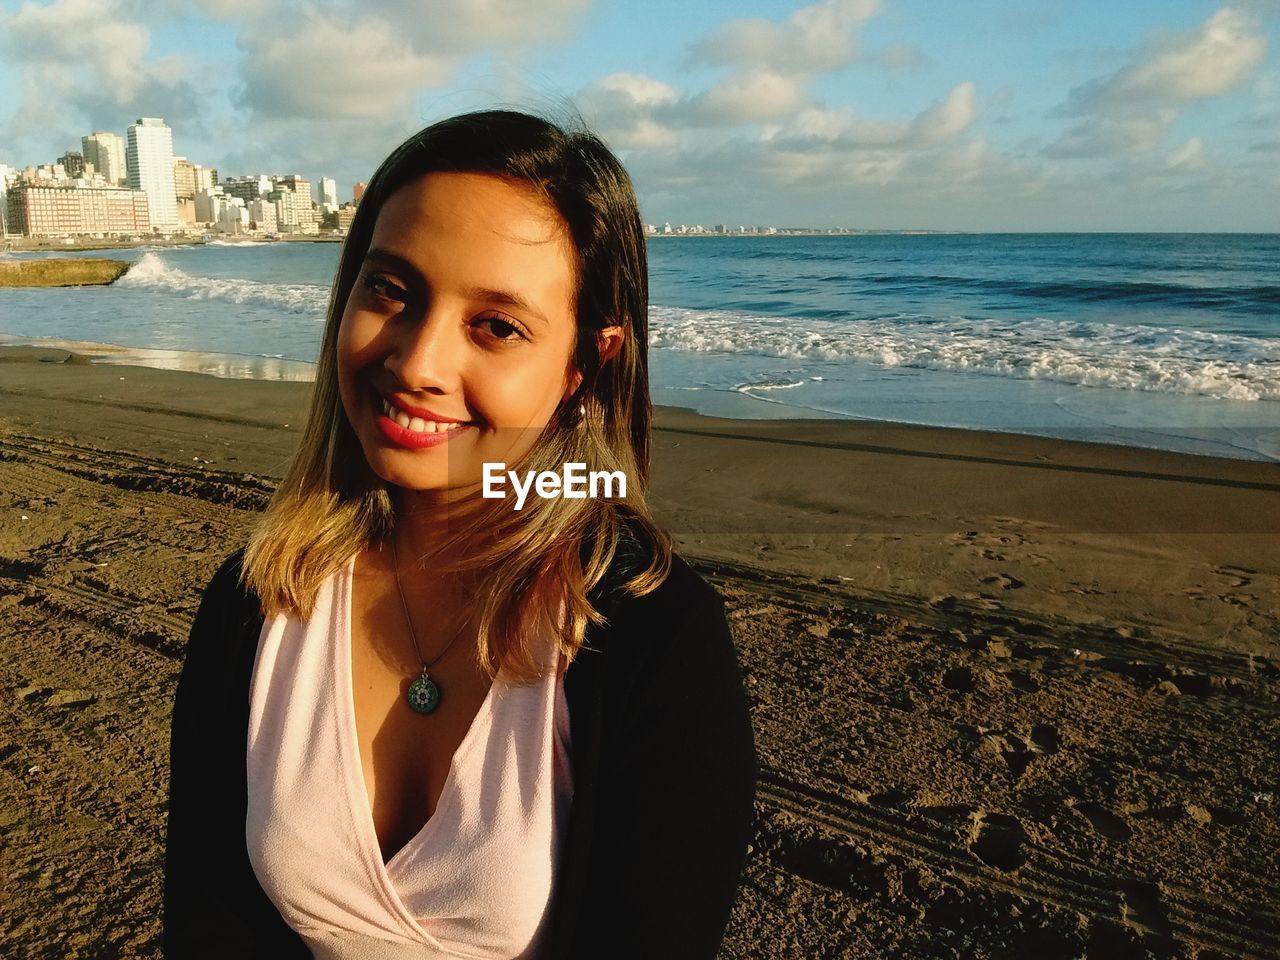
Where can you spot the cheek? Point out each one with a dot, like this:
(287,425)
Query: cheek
(353,354)
(355,346)
(520,395)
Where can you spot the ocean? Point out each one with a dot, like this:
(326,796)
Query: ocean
(1168,341)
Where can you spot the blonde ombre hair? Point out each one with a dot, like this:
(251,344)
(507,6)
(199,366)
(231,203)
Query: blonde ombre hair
(523,569)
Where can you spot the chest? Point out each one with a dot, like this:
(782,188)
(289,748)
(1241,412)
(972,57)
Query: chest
(406,757)
(462,849)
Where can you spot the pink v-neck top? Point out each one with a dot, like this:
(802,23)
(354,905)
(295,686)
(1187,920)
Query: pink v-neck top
(476,881)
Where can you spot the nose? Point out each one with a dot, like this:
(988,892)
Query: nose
(427,356)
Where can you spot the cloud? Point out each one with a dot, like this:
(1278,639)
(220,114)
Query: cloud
(1213,60)
(750,96)
(1131,110)
(329,69)
(1105,136)
(373,59)
(815,39)
(1190,156)
(461,27)
(234,9)
(82,64)
(773,64)
(946,119)
(79,40)
(622,107)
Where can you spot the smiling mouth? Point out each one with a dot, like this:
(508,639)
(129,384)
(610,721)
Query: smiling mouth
(416,424)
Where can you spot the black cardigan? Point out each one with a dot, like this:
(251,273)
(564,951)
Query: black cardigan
(664,773)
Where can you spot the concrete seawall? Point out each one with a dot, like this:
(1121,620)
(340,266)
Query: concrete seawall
(63,272)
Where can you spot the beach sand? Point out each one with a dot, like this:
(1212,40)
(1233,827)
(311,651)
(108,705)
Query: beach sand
(1012,696)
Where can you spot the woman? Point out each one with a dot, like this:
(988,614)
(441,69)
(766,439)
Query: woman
(417,719)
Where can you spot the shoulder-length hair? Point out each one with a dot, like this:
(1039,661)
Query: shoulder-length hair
(529,572)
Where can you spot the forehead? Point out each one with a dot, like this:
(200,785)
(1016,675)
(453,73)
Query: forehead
(467,219)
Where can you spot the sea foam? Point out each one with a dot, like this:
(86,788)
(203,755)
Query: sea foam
(153,272)
(1118,356)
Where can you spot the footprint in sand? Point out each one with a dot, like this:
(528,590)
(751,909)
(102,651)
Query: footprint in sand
(1086,591)
(1243,576)
(1044,738)
(1016,751)
(1239,599)
(71,699)
(1104,822)
(950,602)
(1142,908)
(1004,581)
(997,840)
(1023,681)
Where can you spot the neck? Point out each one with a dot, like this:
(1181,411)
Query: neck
(424,522)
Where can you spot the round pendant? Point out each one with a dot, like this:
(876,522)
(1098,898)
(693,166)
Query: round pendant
(423,695)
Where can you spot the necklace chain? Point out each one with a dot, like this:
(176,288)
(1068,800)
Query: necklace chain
(424,693)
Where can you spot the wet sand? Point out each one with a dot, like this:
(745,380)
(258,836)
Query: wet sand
(1012,696)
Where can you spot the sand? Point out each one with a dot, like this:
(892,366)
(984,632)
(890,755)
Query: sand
(1012,696)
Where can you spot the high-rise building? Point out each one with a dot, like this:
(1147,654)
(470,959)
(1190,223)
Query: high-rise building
(184,178)
(72,163)
(357,191)
(106,152)
(262,215)
(206,177)
(328,191)
(209,204)
(5,173)
(149,158)
(294,213)
(246,188)
(48,211)
(297,184)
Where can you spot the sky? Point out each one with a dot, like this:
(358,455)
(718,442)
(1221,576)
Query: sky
(979,115)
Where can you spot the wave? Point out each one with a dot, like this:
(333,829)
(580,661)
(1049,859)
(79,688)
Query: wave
(1123,357)
(1245,298)
(769,385)
(151,271)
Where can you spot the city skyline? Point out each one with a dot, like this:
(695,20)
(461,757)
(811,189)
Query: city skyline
(851,113)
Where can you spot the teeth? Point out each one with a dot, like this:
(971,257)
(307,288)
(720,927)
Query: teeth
(416,424)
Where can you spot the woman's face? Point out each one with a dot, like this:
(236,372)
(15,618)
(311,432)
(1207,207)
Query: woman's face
(462,315)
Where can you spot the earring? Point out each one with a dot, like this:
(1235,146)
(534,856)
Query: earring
(578,415)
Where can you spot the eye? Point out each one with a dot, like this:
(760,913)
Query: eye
(501,328)
(382,286)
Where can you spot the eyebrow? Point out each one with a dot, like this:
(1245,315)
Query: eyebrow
(490,295)
(509,299)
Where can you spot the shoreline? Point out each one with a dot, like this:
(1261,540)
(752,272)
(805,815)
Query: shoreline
(732,404)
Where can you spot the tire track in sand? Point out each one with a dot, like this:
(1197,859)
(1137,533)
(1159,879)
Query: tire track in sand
(1040,875)
(132,472)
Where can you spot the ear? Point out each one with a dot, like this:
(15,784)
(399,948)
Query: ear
(608,343)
